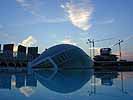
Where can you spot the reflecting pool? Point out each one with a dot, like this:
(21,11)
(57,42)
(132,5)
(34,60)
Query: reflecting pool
(69,84)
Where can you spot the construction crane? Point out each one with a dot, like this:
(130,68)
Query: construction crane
(119,43)
(93,44)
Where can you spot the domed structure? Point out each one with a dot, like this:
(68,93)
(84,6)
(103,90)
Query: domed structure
(64,60)
(62,56)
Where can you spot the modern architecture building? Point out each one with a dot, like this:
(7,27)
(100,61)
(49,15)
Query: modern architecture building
(21,52)
(32,53)
(105,55)
(8,51)
(63,56)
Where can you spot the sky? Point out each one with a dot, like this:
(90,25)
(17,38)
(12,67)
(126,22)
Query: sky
(45,23)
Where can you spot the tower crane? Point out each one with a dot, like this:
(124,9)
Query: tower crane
(119,43)
(93,43)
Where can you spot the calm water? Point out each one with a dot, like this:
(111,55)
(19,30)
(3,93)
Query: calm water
(66,85)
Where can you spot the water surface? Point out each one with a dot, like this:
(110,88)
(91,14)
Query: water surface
(66,85)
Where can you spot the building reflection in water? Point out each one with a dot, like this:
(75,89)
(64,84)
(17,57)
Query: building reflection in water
(31,80)
(19,80)
(64,81)
(106,77)
(5,81)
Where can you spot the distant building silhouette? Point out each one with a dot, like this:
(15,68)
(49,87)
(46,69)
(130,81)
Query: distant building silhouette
(105,55)
(32,53)
(8,51)
(21,53)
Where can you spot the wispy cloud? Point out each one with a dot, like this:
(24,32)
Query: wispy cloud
(6,36)
(109,21)
(34,7)
(79,13)
(1,26)
(126,55)
(30,6)
(128,38)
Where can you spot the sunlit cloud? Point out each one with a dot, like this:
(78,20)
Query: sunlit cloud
(79,13)
(29,41)
(68,41)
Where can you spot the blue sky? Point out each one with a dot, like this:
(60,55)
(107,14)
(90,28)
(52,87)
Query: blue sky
(49,22)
